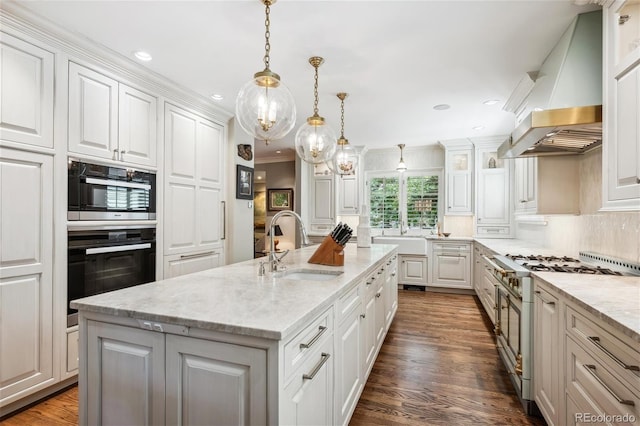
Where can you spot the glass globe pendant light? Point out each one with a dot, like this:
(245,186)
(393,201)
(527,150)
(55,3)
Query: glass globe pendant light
(345,160)
(315,140)
(265,108)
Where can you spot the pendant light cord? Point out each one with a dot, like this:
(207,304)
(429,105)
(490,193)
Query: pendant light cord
(315,92)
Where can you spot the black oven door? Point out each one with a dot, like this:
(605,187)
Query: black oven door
(105,260)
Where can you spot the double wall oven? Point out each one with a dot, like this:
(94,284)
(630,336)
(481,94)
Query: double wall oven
(111,237)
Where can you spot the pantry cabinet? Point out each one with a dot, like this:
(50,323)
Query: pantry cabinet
(110,120)
(194,202)
(621,131)
(26,98)
(26,274)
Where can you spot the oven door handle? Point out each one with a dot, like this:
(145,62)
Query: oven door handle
(123,184)
(500,270)
(114,249)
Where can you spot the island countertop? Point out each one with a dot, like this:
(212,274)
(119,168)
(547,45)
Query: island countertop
(234,299)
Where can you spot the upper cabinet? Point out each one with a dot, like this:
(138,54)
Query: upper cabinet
(493,194)
(111,120)
(459,177)
(26,98)
(348,194)
(322,196)
(621,132)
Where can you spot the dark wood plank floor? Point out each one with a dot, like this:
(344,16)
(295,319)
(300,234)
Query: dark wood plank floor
(438,366)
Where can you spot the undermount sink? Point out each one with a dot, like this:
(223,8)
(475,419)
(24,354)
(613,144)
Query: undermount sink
(309,274)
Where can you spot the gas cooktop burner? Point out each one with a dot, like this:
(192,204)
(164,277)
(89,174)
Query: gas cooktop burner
(543,258)
(582,269)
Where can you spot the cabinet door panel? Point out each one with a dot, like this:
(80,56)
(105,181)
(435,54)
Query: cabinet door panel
(348,364)
(459,192)
(208,209)
(180,223)
(348,195)
(628,137)
(126,370)
(93,112)
(179,265)
(323,205)
(493,202)
(546,355)
(181,133)
(215,383)
(209,152)
(369,334)
(137,129)
(26,273)
(26,97)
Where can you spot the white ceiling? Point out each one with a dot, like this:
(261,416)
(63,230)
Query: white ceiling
(395,59)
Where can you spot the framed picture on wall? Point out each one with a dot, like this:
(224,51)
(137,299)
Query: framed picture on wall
(280,199)
(244,182)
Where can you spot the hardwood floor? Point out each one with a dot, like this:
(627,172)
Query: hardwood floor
(438,366)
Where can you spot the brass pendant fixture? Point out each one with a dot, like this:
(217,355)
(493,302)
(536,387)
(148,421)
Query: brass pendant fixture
(345,160)
(265,107)
(315,140)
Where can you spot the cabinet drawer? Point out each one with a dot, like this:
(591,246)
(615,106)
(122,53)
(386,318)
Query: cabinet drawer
(493,230)
(348,302)
(588,379)
(610,350)
(321,227)
(72,350)
(466,247)
(298,348)
(371,283)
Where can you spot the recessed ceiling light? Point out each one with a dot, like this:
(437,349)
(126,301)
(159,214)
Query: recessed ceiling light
(217,97)
(478,127)
(278,152)
(143,56)
(259,177)
(491,102)
(441,107)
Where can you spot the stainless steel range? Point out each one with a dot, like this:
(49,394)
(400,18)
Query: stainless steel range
(514,306)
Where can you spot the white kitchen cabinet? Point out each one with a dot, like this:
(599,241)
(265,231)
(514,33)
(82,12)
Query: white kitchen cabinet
(172,379)
(493,194)
(108,119)
(26,98)
(369,327)
(194,204)
(348,362)
(347,195)
(214,383)
(391,289)
(412,270)
(451,265)
(26,274)
(547,185)
(483,282)
(182,264)
(621,124)
(125,364)
(308,398)
(459,177)
(547,338)
(322,197)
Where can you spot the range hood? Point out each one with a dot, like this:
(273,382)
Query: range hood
(563,112)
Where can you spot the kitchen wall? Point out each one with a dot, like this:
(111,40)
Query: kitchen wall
(614,234)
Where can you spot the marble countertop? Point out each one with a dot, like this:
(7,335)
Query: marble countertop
(234,299)
(613,299)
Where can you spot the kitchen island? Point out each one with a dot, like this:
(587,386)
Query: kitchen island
(227,346)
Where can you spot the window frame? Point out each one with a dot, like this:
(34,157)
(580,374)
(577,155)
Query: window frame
(402,202)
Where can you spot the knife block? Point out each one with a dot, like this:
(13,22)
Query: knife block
(329,253)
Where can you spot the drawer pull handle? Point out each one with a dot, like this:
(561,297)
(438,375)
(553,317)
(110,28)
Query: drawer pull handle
(596,341)
(592,370)
(321,330)
(197,255)
(378,294)
(310,376)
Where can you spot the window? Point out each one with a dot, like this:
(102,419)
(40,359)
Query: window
(406,203)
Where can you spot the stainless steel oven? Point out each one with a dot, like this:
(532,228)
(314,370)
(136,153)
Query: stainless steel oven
(101,192)
(108,258)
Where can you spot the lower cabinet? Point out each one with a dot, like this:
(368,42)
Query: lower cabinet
(451,265)
(181,264)
(413,270)
(548,370)
(200,380)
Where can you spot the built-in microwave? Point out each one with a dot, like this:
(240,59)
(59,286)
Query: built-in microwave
(103,192)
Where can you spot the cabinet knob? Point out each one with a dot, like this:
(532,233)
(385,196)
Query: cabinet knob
(115,154)
(378,294)
(363,316)
(479,219)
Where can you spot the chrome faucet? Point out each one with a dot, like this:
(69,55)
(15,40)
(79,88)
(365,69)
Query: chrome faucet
(274,260)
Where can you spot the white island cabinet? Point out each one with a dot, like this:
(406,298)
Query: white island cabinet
(226,346)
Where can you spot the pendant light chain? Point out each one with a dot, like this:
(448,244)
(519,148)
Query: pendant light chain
(342,118)
(267,34)
(315,92)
